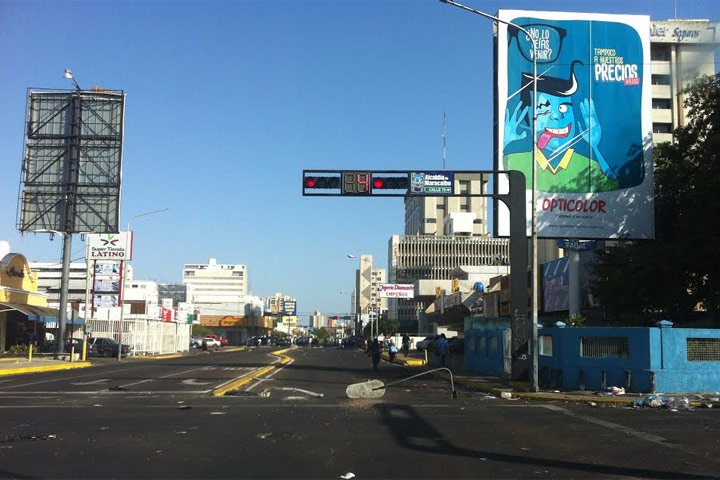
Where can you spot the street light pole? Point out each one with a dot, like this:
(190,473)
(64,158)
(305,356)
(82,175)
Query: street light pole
(124,280)
(534,340)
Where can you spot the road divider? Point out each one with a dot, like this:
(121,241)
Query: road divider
(44,368)
(245,379)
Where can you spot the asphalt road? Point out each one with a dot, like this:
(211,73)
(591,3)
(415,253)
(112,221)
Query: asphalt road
(158,419)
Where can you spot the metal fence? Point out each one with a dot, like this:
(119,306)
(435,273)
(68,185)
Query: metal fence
(144,336)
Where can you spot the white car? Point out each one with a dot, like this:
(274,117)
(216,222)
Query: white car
(212,342)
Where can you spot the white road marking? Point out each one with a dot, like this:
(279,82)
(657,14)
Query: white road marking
(100,380)
(137,383)
(192,381)
(629,431)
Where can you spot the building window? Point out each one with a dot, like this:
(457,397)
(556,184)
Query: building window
(661,79)
(604,347)
(660,54)
(661,103)
(662,128)
(464,187)
(464,207)
(703,349)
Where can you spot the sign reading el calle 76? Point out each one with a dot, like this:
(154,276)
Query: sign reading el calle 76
(109,246)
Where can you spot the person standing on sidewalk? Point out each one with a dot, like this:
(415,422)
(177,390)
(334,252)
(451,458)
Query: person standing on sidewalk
(442,348)
(405,344)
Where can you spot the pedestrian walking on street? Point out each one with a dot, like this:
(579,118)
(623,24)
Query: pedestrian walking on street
(375,353)
(392,351)
(442,348)
(405,344)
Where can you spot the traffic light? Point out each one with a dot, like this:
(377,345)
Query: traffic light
(322,182)
(390,183)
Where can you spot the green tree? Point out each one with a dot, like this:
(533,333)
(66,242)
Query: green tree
(279,333)
(680,270)
(322,334)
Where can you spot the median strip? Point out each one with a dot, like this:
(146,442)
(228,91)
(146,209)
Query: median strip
(244,380)
(45,368)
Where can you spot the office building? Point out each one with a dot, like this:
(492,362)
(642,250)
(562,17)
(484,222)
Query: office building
(428,215)
(213,283)
(680,50)
(427,260)
(367,284)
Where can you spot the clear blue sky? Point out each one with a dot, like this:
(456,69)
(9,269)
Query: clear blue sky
(228,101)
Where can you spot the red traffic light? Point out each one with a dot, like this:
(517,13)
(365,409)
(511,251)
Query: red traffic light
(390,183)
(327,183)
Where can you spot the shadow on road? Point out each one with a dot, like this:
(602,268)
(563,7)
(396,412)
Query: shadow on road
(411,431)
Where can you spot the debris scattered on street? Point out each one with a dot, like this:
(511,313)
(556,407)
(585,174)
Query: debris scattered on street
(184,407)
(218,413)
(263,436)
(506,395)
(593,404)
(658,401)
(348,476)
(616,391)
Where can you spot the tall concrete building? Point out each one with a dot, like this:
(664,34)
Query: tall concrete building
(680,50)
(427,260)
(317,320)
(213,283)
(367,284)
(429,215)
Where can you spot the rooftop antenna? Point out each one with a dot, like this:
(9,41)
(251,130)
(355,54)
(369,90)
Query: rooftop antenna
(444,136)
(675,9)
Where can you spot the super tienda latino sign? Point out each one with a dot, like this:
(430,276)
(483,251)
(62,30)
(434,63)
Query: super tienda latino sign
(593,134)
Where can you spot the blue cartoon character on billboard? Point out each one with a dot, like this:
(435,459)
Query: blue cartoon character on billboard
(584,140)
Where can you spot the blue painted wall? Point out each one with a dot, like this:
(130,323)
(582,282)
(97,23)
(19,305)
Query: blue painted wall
(657,359)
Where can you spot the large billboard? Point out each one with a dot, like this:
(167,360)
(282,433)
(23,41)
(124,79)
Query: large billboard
(72,161)
(593,138)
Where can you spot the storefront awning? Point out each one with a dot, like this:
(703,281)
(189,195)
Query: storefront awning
(31,310)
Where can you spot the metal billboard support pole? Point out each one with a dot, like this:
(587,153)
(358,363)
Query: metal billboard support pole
(64,281)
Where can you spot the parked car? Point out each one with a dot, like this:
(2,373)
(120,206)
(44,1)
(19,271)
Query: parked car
(51,347)
(196,342)
(281,342)
(211,341)
(105,347)
(223,341)
(426,343)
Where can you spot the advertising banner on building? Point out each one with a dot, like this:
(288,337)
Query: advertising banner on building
(289,307)
(395,290)
(593,139)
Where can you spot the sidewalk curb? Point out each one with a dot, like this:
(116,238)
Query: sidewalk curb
(622,400)
(46,368)
(158,357)
(237,383)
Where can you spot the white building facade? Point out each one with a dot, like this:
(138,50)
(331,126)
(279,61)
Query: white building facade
(213,283)
(680,50)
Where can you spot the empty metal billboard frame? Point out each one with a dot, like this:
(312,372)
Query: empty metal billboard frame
(515,199)
(72,162)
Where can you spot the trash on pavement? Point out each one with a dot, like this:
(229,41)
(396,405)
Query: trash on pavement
(616,390)
(506,395)
(348,476)
(676,404)
(658,401)
(593,404)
